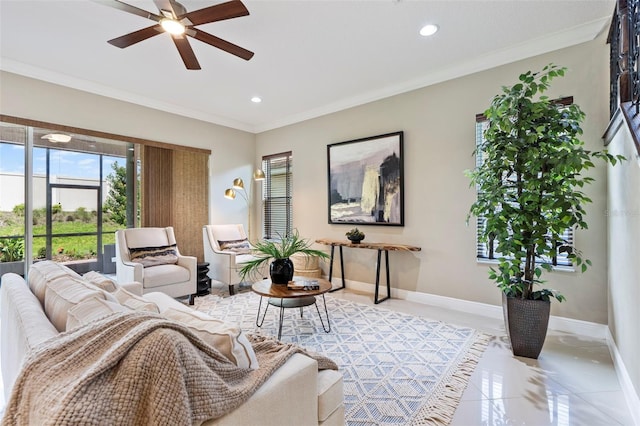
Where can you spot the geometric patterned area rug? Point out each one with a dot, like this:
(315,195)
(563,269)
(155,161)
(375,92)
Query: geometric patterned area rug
(398,369)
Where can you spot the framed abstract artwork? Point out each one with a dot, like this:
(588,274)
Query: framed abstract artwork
(366,181)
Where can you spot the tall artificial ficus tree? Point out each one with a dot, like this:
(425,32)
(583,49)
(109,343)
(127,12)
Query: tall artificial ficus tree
(530,184)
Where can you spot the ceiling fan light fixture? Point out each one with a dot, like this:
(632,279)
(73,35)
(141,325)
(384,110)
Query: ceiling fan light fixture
(256,99)
(172,27)
(429,30)
(57,137)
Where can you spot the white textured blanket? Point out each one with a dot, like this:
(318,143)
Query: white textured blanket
(136,368)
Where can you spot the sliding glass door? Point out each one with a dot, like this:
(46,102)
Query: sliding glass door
(63,196)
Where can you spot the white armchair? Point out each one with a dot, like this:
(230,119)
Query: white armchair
(226,248)
(150,256)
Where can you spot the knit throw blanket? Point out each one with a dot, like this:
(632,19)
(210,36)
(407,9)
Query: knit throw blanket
(137,368)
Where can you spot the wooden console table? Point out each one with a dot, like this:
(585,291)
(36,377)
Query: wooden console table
(386,247)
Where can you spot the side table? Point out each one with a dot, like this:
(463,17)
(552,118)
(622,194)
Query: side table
(380,247)
(204,282)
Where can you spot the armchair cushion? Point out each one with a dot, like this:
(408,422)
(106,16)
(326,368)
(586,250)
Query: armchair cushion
(152,256)
(157,276)
(238,246)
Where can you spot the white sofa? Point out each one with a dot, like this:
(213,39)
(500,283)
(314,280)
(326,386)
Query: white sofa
(296,394)
(176,276)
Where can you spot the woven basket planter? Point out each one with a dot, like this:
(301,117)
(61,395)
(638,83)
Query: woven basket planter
(526,322)
(306,266)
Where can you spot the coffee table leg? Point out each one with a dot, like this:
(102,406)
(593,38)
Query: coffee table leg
(281,318)
(326,329)
(258,321)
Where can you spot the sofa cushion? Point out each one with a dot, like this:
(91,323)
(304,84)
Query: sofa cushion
(237,246)
(157,276)
(225,337)
(152,256)
(62,294)
(42,272)
(91,310)
(99,280)
(137,303)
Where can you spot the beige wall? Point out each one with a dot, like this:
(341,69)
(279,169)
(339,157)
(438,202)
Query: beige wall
(439,129)
(624,252)
(438,122)
(232,150)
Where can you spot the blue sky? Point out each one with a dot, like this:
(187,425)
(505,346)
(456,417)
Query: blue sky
(63,163)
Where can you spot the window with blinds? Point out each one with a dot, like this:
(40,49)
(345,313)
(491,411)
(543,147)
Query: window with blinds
(276,195)
(486,250)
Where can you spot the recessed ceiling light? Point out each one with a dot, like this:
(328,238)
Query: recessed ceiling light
(428,30)
(256,99)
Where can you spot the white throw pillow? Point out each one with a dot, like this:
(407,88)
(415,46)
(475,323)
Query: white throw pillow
(91,310)
(63,294)
(41,273)
(99,280)
(226,338)
(137,303)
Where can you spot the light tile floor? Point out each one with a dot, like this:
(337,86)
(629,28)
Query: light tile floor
(572,383)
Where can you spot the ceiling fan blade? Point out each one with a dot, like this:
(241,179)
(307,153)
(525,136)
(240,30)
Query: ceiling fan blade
(136,36)
(116,4)
(219,12)
(221,44)
(186,52)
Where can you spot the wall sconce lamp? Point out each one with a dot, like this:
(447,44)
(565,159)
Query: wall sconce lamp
(238,188)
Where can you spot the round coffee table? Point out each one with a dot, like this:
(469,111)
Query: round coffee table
(280,296)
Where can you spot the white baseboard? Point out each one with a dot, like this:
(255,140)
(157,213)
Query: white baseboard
(633,401)
(568,325)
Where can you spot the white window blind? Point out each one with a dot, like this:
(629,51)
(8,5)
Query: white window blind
(276,195)
(486,250)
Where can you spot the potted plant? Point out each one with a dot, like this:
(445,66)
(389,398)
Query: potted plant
(278,252)
(12,256)
(355,235)
(529,192)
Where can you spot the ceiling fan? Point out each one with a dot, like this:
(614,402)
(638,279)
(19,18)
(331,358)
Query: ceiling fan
(175,20)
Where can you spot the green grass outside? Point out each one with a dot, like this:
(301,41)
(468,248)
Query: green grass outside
(63,248)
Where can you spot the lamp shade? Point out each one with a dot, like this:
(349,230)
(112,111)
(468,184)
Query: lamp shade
(258,175)
(230,194)
(238,183)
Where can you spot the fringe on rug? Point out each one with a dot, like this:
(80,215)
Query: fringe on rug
(442,405)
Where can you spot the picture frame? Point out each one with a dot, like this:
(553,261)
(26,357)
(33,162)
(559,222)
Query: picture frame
(366,181)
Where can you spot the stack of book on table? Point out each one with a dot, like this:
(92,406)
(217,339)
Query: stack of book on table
(303,285)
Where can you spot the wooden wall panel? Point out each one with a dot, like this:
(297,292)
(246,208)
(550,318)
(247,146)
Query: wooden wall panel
(157,187)
(190,201)
(175,193)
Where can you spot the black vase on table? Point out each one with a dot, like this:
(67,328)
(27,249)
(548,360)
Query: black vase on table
(281,271)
